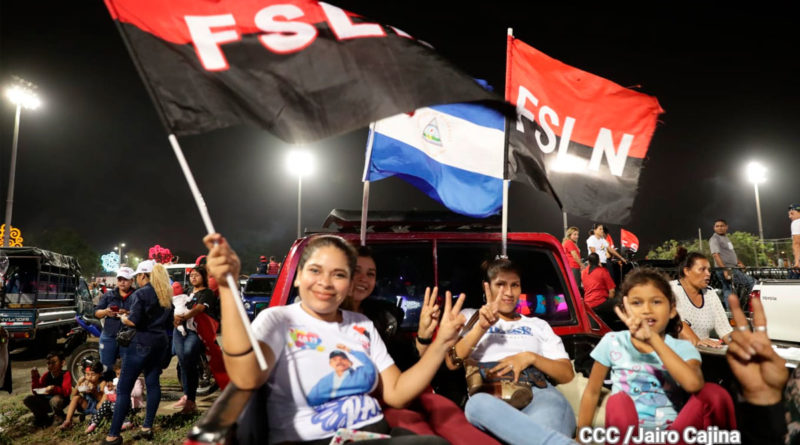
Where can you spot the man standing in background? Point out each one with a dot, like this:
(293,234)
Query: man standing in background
(725,257)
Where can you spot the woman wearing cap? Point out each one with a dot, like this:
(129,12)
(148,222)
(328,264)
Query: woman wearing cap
(151,314)
(111,305)
(189,346)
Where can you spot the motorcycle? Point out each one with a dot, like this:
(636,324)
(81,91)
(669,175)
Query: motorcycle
(83,353)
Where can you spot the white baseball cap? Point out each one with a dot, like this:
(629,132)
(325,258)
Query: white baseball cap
(125,272)
(145,266)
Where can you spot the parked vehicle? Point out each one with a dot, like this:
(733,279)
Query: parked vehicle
(781,301)
(180,273)
(40,294)
(257,292)
(445,250)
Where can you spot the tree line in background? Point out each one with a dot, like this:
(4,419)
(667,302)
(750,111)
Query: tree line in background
(773,253)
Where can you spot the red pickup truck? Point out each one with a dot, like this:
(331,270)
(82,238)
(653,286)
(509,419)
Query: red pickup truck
(413,251)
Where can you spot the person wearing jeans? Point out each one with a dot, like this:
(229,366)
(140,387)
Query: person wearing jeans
(111,305)
(151,315)
(549,419)
(186,342)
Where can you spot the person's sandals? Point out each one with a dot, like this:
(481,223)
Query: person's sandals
(143,435)
(90,428)
(117,441)
(180,403)
(189,408)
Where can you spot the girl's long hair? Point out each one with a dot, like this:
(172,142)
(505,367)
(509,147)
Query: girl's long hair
(159,279)
(647,275)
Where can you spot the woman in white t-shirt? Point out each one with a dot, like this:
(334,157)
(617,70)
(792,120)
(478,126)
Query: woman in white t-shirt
(698,305)
(324,364)
(515,342)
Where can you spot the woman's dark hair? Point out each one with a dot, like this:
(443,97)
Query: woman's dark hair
(595,226)
(647,275)
(688,262)
(680,255)
(364,252)
(497,265)
(594,261)
(203,274)
(338,242)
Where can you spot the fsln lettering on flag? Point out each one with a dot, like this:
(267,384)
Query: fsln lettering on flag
(591,134)
(302,69)
(454,153)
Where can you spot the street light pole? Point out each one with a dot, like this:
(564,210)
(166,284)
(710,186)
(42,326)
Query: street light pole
(758,213)
(299,203)
(22,96)
(300,163)
(12,169)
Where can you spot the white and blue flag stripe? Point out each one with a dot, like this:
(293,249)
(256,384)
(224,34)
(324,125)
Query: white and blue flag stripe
(453,152)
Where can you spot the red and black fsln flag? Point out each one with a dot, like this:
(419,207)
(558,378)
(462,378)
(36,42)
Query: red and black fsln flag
(589,134)
(301,69)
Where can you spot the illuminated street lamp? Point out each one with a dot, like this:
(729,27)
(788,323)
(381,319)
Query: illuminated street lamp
(299,162)
(23,96)
(757,174)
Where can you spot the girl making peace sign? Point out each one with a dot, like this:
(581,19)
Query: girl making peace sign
(651,370)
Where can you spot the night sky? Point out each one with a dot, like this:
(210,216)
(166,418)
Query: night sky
(96,159)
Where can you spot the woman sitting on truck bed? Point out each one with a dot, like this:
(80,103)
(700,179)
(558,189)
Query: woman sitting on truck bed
(515,343)
(698,304)
(432,413)
(323,362)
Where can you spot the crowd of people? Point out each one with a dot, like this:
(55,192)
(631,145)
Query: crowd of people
(334,361)
(330,368)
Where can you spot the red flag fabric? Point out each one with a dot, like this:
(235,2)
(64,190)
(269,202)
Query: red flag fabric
(301,69)
(629,240)
(590,134)
(207,331)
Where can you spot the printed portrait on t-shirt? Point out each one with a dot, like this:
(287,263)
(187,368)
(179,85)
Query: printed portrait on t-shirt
(346,379)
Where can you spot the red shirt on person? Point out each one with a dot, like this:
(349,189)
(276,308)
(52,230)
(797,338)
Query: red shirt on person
(596,285)
(570,246)
(62,385)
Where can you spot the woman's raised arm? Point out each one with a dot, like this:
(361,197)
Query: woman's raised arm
(240,361)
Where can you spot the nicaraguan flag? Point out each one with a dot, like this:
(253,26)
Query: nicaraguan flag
(454,153)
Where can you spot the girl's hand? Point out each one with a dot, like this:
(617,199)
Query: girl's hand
(342,347)
(452,320)
(221,259)
(710,343)
(489,311)
(639,329)
(429,315)
(513,363)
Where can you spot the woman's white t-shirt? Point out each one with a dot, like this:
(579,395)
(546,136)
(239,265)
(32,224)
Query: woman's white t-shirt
(507,338)
(308,398)
(600,247)
(711,315)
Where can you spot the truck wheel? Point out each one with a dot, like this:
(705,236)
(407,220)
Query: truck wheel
(86,351)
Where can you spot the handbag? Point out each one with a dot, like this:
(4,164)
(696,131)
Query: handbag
(125,336)
(126,333)
(518,394)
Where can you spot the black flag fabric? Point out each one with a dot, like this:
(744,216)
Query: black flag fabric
(301,69)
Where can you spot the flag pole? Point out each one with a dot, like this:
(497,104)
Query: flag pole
(198,197)
(201,206)
(504,230)
(365,194)
(564,215)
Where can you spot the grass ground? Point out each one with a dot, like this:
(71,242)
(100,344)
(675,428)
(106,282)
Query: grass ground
(16,427)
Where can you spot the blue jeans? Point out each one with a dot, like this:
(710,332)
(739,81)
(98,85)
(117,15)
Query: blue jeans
(109,351)
(140,358)
(739,278)
(188,350)
(548,419)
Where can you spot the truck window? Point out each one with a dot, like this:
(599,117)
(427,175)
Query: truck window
(544,292)
(404,270)
(260,285)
